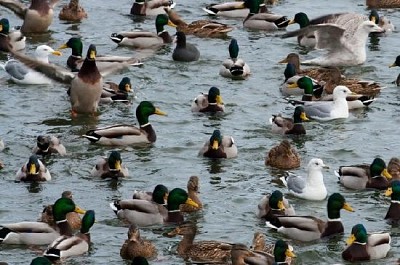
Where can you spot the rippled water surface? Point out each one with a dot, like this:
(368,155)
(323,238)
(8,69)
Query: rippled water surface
(230,189)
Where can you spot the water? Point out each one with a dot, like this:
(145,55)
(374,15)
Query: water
(230,189)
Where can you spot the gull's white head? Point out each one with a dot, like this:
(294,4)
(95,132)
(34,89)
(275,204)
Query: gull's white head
(316,164)
(43,51)
(341,92)
(369,26)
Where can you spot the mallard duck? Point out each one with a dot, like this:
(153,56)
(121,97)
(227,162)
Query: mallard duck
(113,92)
(10,39)
(110,167)
(200,251)
(394,168)
(396,63)
(199,28)
(365,176)
(211,102)
(234,67)
(309,228)
(21,74)
(272,205)
(103,63)
(73,218)
(393,213)
(39,233)
(283,156)
(262,21)
(193,187)
(146,39)
(235,9)
(37,17)
(139,261)
(382,22)
(383,3)
(160,194)
(128,134)
(136,246)
(145,213)
(48,144)
(184,52)
(288,125)
(310,188)
(67,246)
(72,12)
(150,8)
(366,247)
(33,170)
(219,146)
(41,261)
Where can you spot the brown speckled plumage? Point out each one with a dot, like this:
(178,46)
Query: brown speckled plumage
(283,156)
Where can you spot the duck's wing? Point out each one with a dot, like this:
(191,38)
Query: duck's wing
(16,6)
(143,206)
(52,71)
(118,59)
(115,131)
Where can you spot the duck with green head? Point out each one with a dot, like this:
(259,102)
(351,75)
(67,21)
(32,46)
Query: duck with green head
(150,8)
(113,92)
(393,213)
(306,40)
(110,167)
(235,9)
(365,176)
(159,191)
(219,146)
(363,246)
(262,21)
(309,228)
(123,135)
(47,145)
(10,39)
(288,125)
(291,86)
(39,233)
(67,246)
(209,102)
(274,204)
(146,39)
(234,67)
(33,170)
(41,261)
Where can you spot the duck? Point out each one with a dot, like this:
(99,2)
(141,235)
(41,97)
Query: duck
(150,8)
(159,191)
(288,125)
(344,48)
(37,17)
(263,21)
(310,188)
(393,168)
(33,170)
(234,67)
(145,213)
(184,51)
(382,22)
(113,92)
(123,135)
(283,156)
(362,247)
(13,39)
(146,39)
(67,245)
(396,63)
(39,233)
(310,228)
(40,261)
(382,3)
(219,146)
(210,251)
(200,28)
(103,62)
(136,246)
(73,218)
(21,74)
(47,145)
(365,176)
(110,167)
(193,187)
(209,102)
(393,213)
(72,12)
(274,204)
(234,9)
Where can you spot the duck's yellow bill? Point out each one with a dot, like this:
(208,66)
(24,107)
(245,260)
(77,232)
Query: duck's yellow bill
(118,165)
(386,174)
(64,46)
(79,210)
(159,112)
(351,239)
(291,22)
(92,55)
(191,202)
(289,253)
(219,100)
(171,24)
(303,117)
(389,192)
(128,88)
(32,169)
(347,207)
(281,205)
(215,145)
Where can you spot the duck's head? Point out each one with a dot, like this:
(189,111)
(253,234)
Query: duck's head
(125,85)
(292,58)
(75,44)
(4,26)
(160,194)
(67,194)
(216,139)
(87,221)
(114,161)
(187,228)
(233,49)
(258,241)
(177,197)
(144,110)
(301,19)
(163,20)
(394,190)
(304,83)
(252,5)
(63,206)
(91,53)
(43,142)
(33,165)
(358,234)
(299,115)
(374,16)
(193,184)
(117,38)
(282,250)
(336,202)
(139,261)
(378,168)
(396,62)
(133,233)
(214,96)
(275,201)
(41,261)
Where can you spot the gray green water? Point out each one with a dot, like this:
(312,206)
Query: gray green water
(230,189)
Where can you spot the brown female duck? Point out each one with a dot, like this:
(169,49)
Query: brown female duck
(193,187)
(72,12)
(136,246)
(283,156)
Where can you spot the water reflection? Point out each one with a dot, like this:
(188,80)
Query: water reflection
(34,187)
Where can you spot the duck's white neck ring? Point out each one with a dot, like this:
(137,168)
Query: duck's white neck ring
(394,201)
(144,125)
(334,220)
(61,221)
(174,211)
